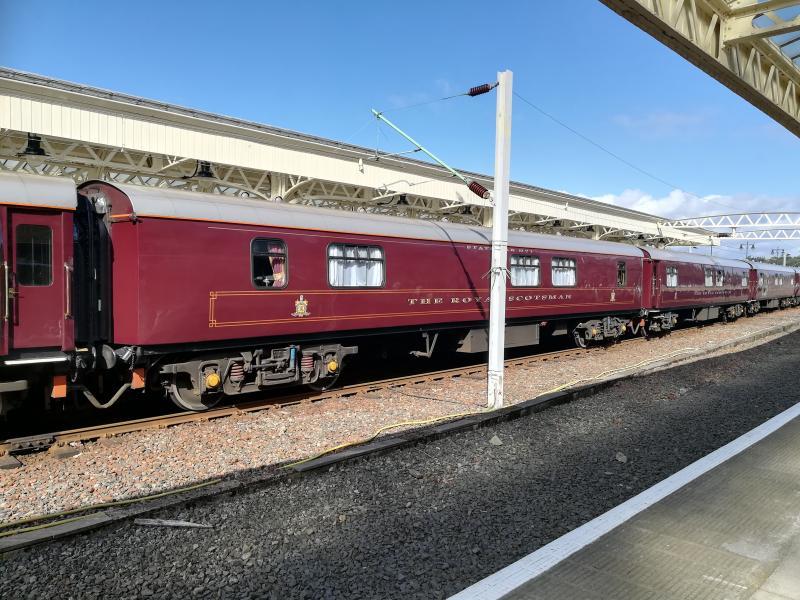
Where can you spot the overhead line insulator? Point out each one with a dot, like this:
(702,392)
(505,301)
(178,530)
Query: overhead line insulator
(481,89)
(477,189)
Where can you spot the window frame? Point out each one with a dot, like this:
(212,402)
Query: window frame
(51,273)
(667,273)
(285,256)
(382,260)
(708,274)
(538,268)
(622,267)
(574,269)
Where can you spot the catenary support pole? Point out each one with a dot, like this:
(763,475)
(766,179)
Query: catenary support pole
(497,304)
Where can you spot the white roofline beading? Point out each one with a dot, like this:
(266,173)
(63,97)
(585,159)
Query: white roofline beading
(769,267)
(178,204)
(34,190)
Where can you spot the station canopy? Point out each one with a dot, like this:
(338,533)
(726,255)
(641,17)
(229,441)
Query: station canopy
(59,128)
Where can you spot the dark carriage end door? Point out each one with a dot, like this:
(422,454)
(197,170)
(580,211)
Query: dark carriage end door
(36,280)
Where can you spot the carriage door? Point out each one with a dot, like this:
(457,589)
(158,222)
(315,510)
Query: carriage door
(35,280)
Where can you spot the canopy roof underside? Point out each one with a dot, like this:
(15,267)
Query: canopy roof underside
(89,133)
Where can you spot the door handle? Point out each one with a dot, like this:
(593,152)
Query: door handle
(7,292)
(67,280)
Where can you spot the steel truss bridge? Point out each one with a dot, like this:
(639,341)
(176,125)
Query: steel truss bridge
(55,127)
(751,47)
(751,226)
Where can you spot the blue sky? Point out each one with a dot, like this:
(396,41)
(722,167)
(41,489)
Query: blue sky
(318,67)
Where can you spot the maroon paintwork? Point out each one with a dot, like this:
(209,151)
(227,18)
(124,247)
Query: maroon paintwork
(185,281)
(772,283)
(691,290)
(39,314)
(181,280)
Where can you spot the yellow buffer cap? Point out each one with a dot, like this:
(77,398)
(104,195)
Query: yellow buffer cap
(212,380)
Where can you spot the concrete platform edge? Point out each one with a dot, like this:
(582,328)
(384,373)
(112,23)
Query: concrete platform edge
(520,572)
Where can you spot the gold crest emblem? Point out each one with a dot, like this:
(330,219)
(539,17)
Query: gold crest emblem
(301,307)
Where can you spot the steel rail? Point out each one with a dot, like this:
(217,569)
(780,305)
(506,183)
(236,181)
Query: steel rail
(61,439)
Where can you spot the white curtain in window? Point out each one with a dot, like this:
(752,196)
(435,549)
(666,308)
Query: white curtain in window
(524,271)
(351,278)
(672,277)
(563,272)
(349,266)
(335,266)
(375,268)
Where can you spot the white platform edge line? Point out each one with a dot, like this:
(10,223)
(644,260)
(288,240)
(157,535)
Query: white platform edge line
(502,582)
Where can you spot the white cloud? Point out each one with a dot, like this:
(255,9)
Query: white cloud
(679,204)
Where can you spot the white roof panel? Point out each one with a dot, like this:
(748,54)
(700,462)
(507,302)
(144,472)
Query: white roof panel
(179,204)
(769,267)
(700,259)
(37,190)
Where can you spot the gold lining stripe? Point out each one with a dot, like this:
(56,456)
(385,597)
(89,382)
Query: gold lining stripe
(48,206)
(380,315)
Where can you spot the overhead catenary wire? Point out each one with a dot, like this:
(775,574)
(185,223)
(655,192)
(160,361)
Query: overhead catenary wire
(616,156)
(472,92)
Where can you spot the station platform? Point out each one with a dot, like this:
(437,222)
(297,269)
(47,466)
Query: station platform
(726,526)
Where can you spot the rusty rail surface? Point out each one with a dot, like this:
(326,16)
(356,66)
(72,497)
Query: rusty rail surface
(60,440)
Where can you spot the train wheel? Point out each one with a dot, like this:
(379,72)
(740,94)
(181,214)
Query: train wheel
(580,340)
(185,398)
(322,385)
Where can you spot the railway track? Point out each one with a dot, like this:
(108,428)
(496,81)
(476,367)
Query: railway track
(59,441)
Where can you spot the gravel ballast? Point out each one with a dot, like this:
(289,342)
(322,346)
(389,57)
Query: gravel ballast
(428,520)
(251,445)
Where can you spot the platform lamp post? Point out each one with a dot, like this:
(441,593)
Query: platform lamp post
(499,199)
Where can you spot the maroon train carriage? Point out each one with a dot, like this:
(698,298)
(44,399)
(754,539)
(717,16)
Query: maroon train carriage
(214,295)
(204,296)
(37,334)
(696,287)
(772,286)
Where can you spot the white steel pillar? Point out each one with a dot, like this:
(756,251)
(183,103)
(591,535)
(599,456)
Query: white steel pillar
(497,304)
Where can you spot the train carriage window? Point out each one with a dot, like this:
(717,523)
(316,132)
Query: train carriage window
(564,272)
(720,277)
(268,260)
(524,271)
(622,275)
(709,277)
(355,266)
(744,280)
(761,280)
(672,277)
(34,246)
